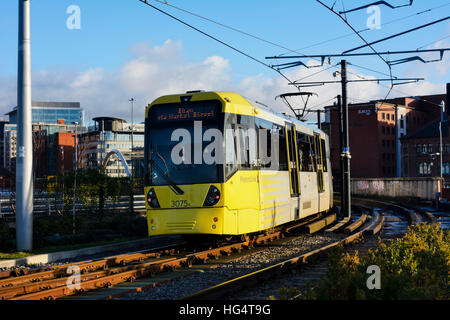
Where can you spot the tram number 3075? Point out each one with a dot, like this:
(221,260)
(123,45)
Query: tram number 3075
(180,204)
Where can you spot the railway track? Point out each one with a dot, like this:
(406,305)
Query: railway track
(250,280)
(298,272)
(56,282)
(128,269)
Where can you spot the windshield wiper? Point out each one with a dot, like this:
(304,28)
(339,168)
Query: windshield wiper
(166,175)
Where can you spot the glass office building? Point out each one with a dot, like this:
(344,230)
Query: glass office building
(49,119)
(51,112)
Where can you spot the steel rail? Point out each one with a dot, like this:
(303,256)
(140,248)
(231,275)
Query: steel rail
(23,288)
(220,290)
(48,273)
(409,214)
(284,231)
(51,282)
(56,284)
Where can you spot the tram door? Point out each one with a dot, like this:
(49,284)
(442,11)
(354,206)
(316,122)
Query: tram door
(319,162)
(293,160)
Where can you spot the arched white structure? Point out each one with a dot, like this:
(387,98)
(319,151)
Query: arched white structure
(122,159)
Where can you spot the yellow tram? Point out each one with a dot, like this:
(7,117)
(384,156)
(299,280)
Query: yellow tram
(217,164)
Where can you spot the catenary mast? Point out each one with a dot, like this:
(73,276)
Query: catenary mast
(24,159)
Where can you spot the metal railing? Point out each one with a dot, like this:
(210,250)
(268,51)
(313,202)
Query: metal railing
(49,204)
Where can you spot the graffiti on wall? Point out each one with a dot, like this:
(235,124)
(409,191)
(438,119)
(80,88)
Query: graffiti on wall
(362,185)
(378,185)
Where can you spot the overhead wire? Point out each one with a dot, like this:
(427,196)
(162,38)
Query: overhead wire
(233,28)
(270,42)
(213,38)
(216,39)
(316,73)
(223,25)
(370,44)
(369,69)
(343,7)
(321,104)
(397,34)
(362,38)
(365,30)
(406,95)
(412,97)
(376,3)
(428,44)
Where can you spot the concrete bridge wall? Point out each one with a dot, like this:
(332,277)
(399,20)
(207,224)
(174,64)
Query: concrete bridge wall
(423,188)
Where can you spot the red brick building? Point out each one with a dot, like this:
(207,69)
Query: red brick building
(375,132)
(421,152)
(65,148)
(54,147)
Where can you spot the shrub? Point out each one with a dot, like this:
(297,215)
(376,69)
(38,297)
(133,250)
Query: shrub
(6,237)
(416,266)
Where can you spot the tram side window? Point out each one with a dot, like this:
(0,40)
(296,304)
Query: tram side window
(244,147)
(282,148)
(324,156)
(305,152)
(264,129)
(231,164)
(247,153)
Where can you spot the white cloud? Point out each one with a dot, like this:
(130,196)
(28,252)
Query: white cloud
(8,94)
(137,75)
(443,66)
(436,70)
(88,78)
(154,71)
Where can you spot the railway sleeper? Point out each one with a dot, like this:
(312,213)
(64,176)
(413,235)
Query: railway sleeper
(170,267)
(355,225)
(213,256)
(225,253)
(79,292)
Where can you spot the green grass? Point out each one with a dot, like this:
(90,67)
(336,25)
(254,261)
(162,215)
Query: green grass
(14,255)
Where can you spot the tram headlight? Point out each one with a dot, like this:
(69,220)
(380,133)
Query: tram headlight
(212,197)
(152,200)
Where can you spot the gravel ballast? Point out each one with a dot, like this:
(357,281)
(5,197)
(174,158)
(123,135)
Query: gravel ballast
(208,277)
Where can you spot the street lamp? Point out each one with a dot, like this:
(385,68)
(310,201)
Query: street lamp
(132,100)
(75,177)
(440,135)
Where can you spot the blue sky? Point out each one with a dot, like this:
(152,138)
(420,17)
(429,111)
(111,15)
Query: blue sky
(124,46)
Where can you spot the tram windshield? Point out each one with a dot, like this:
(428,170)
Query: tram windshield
(175,149)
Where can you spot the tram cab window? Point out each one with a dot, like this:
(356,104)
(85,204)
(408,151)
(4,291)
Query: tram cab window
(306,152)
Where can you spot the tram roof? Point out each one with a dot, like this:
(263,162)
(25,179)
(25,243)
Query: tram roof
(230,97)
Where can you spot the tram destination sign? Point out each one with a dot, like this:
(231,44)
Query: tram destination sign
(194,111)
